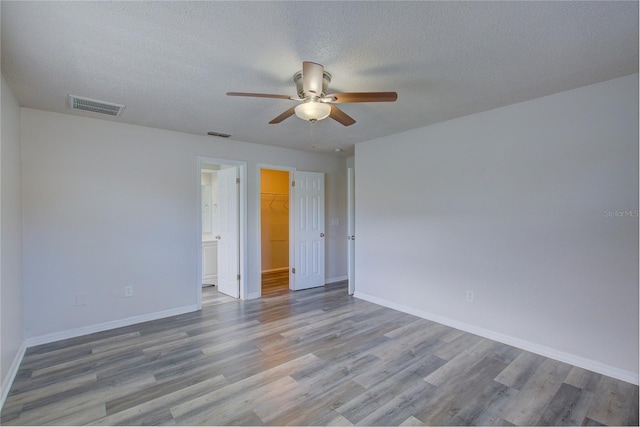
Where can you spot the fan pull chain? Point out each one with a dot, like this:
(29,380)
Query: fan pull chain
(313,135)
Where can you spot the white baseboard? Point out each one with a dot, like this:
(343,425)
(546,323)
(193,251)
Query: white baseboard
(85,330)
(11,375)
(591,365)
(253,295)
(335,279)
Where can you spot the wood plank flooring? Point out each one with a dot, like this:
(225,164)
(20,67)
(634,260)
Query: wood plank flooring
(313,357)
(274,282)
(211,296)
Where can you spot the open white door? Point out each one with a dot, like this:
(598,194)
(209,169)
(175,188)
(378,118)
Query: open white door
(309,230)
(229,233)
(351,232)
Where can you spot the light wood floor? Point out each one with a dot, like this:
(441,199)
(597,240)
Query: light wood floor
(274,282)
(211,296)
(309,357)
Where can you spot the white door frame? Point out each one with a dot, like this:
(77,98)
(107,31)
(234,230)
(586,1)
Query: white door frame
(291,171)
(351,231)
(242,173)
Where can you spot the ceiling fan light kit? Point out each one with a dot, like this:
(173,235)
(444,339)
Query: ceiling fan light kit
(312,85)
(313,111)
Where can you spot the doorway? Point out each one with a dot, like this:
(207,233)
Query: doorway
(274,230)
(222,220)
(306,228)
(210,221)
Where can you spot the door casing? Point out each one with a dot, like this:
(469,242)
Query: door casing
(351,231)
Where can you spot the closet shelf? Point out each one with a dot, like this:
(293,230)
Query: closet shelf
(275,196)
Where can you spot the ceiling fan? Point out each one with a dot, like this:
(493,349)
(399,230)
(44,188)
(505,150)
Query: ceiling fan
(312,83)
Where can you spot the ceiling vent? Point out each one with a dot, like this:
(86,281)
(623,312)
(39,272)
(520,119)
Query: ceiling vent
(220,134)
(95,106)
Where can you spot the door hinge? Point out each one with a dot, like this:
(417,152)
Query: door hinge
(293,270)
(238,277)
(293,183)
(237,180)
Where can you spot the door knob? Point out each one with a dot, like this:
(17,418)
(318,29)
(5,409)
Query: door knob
(321,234)
(353,237)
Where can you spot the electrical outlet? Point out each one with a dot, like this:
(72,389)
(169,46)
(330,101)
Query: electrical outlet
(469,296)
(128,291)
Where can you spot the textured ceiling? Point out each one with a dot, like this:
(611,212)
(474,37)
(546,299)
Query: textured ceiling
(171,63)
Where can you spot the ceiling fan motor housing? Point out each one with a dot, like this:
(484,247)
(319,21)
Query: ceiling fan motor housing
(326,79)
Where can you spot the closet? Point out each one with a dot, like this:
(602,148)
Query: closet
(274,225)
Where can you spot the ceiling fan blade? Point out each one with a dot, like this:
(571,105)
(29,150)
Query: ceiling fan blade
(340,116)
(290,112)
(340,98)
(259,95)
(312,78)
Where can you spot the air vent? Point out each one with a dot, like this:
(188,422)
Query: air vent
(221,135)
(95,106)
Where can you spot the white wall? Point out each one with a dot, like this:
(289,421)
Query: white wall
(11,314)
(525,206)
(108,204)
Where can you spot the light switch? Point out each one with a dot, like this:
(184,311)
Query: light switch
(335,221)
